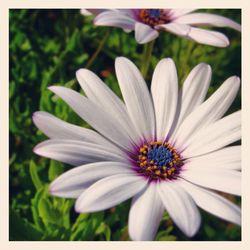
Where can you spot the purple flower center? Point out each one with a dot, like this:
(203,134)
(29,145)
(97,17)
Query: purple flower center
(154,17)
(158,161)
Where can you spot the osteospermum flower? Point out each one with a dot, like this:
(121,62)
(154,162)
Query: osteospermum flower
(182,22)
(165,148)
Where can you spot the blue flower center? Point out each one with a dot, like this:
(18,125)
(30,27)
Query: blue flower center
(161,155)
(156,13)
(154,17)
(158,161)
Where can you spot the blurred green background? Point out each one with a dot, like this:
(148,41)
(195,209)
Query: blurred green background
(46,48)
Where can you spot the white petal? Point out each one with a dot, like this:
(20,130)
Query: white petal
(57,129)
(144,33)
(109,192)
(72,183)
(74,193)
(226,158)
(181,207)
(85,12)
(145,214)
(98,92)
(208,19)
(215,136)
(115,19)
(194,90)
(175,28)
(77,152)
(97,117)
(136,96)
(179,12)
(208,37)
(164,90)
(88,12)
(128,12)
(227,181)
(213,203)
(208,112)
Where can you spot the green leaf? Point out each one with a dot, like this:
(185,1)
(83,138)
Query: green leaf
(165,235)
(77,234)
(55,169)
(104,229)
(47,213)
(34,176)
(80,219)
(34,208)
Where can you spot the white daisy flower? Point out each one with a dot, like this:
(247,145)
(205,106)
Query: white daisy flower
(182,22)
(167,149)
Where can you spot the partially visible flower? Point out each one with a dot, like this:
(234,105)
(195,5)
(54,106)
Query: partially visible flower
(166,149)
(148,22)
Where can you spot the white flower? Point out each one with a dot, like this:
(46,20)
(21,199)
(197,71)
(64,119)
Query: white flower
(182,22)
(166,149)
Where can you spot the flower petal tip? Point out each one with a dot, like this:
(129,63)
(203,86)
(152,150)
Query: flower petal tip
(53,88)
(236,79)
(224,43)
(34,115)
(77,208)
(51,188)
(82,73)
(204,65)
(35,149)
(120,60)
(82,70)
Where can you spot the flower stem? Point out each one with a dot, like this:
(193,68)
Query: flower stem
(146,56)
(98,50)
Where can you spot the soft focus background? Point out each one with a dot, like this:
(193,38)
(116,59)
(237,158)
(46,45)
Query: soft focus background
(46,48)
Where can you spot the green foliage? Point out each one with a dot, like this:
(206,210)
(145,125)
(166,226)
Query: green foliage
(46,48)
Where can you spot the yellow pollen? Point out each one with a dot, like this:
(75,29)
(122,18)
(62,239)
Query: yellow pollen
(158,172)
(152,162)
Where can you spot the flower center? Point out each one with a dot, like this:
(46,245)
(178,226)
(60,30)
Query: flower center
(158,161)
(153,17)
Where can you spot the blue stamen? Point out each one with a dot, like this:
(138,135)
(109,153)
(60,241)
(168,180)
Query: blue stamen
(154,13)
(160,155)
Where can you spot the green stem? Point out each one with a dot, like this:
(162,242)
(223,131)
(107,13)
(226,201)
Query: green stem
(98,50)
(146,56)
